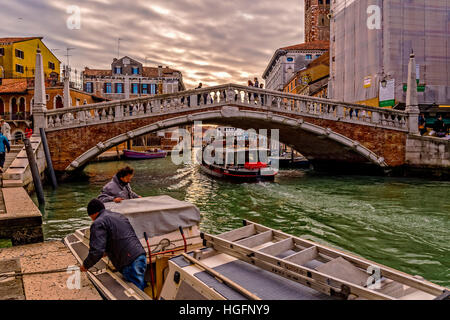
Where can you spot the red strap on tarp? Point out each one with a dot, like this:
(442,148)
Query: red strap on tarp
(255,165)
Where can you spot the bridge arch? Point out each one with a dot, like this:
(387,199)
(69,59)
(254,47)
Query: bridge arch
(306,134)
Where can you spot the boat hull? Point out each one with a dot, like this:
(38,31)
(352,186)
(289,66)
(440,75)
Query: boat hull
(238,175)
(137,155)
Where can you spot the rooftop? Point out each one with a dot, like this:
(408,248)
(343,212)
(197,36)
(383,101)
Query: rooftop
(323,59)
(150,72)
(17,39)
(13,86)
(314,45)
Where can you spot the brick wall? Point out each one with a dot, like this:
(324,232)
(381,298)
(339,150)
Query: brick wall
(317,24)
(66,145)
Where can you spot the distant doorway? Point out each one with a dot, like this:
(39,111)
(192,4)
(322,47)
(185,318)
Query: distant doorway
(14,106)
(59,102)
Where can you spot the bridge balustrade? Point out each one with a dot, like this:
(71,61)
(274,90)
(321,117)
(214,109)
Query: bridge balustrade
(223,95)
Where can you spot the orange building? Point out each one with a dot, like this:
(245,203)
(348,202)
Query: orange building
(16,98)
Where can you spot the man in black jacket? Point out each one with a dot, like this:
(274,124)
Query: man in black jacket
(439,127)
(112,235)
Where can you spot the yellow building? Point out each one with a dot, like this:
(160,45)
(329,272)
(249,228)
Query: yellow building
(18,58)
(313,80)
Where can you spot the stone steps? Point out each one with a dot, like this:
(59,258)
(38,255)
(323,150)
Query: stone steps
(10,157)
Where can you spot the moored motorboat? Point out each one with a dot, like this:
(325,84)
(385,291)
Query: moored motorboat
(250,170)
(138,155)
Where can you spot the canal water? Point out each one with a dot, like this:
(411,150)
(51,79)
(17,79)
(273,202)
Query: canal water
(402,223)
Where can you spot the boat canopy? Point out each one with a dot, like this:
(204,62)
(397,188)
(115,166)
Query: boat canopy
(157,215)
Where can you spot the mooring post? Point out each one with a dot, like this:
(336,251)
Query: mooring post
(48,158)
(34,171)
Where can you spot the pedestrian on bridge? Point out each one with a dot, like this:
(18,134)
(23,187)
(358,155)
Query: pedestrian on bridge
(261,86)
(4,145)
(439,127)
(119,188)
(5,128)
(199,96)
(422,124)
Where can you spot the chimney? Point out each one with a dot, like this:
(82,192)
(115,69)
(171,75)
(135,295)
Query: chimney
(159,71)
(67,101)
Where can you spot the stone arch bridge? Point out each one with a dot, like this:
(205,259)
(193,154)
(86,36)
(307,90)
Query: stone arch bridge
(325,131)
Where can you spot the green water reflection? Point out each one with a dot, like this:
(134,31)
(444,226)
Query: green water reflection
(402,223)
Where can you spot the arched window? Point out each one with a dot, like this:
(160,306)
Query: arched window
(58,102)
(22,105)
(14,106)
(2,107)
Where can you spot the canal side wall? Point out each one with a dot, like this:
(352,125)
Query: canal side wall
(428,154)
(21,220)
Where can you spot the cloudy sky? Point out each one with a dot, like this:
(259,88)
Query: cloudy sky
(210,41)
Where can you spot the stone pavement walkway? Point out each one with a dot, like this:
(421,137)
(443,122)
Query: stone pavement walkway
(53,286)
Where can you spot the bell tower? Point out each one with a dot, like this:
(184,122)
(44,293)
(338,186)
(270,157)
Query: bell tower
(317,21)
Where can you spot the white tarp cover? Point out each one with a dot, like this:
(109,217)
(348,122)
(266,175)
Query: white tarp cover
(157,215)
(360,52)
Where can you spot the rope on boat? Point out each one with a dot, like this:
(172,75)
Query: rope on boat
(6,275)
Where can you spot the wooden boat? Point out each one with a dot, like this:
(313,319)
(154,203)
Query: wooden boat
(138,155)
(255,262)
(160,217)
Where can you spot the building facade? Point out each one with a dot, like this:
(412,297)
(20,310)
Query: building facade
(317,21)
(371,41)
(288,60)
(16,99)
(18,58)
(128,78)
(313,80)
